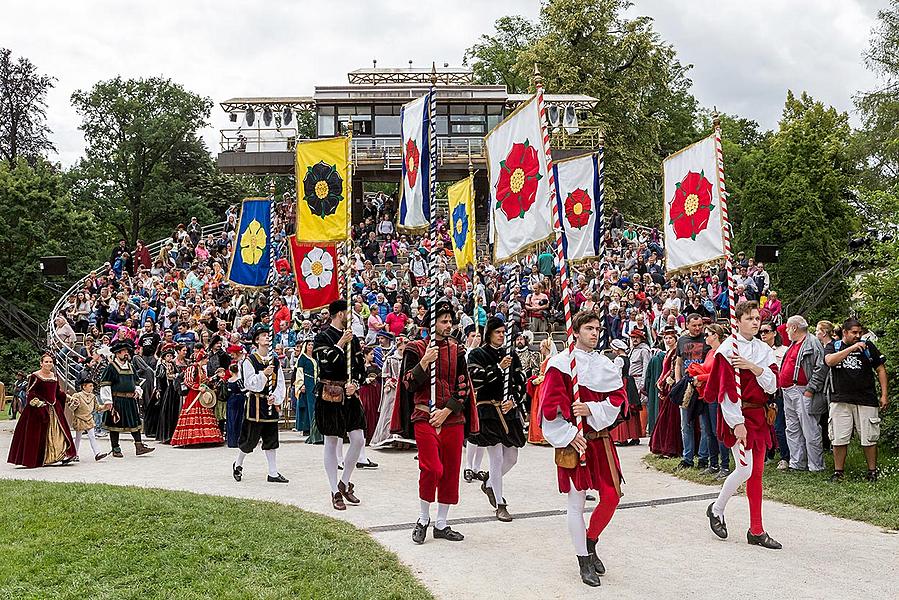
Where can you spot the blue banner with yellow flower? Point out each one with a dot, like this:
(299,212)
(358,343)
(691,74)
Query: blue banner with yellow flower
(461,207)
(250,260)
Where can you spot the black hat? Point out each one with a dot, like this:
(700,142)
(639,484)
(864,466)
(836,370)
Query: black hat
(337,306)
(259,330)
(119,345)
(216,339)
(84,380)
(444,307)
(493,323)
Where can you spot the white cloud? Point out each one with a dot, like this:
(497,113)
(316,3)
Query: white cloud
(746,54)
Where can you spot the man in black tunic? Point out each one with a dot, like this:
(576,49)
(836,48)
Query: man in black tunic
(338,409)
(501,430)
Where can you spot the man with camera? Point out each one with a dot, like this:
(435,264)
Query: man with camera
(854,404)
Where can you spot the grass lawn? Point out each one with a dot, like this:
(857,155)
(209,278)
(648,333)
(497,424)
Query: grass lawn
(854,498)
(62,540)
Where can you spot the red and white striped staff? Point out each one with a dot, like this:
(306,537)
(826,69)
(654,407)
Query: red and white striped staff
(560,250)
(725,220)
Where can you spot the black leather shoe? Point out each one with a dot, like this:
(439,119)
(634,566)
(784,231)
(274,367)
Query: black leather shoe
(279,479)
(468,475)
(483,476)
(764,540)
(420,532)
(588,573)
(591,552)
(367,465)
(591,498)
(236,471)
(347,492)
(448,534)
(716,523)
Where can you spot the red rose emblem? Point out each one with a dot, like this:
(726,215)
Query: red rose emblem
(516,189)
(577,208)
(413,160)
(691,206)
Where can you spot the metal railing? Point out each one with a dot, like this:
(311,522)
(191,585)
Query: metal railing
(68,365)
(21,323)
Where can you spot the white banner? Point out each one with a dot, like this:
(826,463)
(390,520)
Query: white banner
(580,205)
(520,202)
(415,207)
(694,233)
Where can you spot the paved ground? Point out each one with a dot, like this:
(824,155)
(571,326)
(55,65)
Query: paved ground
(657,546)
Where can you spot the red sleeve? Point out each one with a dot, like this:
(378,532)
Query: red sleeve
(721,380)
(556,395)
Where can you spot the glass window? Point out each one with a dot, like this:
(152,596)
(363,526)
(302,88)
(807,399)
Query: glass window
(325,125)
(493,121)
(386,124)
(442,124)
(387,109)
(494,109)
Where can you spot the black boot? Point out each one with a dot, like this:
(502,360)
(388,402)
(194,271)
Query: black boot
(588,573)
(764,540)
(591,552)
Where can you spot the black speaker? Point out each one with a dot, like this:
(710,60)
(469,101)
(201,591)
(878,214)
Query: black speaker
(55,266)
(766,254)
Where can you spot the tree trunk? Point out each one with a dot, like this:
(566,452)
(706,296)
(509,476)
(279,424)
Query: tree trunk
(135,221)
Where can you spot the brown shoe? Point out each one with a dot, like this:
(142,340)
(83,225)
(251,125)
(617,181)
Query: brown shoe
(140,449)
(347,491)
(502,514)
(337,502)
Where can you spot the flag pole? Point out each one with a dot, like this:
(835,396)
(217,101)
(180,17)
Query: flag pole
(432,202)
(474,251)
(560,250)
(272,274)
(348,245)
(729,257)
(606,339)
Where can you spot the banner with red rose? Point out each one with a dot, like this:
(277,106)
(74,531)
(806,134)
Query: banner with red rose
(580,203)
(694,232)
(415,197)
(520,204)
(315,268)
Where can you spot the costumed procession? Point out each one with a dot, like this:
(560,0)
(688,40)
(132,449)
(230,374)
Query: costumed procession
(490,349)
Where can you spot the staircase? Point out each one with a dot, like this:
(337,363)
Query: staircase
(22,324)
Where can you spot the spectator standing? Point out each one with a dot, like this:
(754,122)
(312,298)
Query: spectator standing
(803,398)
(692,348)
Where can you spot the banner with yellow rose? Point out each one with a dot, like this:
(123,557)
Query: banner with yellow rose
(250,260)
(322,191)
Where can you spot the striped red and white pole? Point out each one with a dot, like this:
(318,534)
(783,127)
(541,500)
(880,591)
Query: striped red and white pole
(560,250)
(729,257)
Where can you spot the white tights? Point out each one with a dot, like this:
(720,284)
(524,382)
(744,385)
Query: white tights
(502,459)
(91,437)
(737,477)
(576,528)
(357,441)
(473,457)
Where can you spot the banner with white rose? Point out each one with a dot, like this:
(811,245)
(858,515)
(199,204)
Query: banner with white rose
(315,269)
(694,230)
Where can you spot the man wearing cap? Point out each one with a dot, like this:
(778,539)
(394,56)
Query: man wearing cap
(501,431)
(338,409)
(601,396)
(439,424)
(263,379)
(118,391)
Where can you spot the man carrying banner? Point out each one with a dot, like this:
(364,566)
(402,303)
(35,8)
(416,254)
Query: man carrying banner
(602,395)
(338,409)
(439,432)
(263,379)
(745,427)
(501,431)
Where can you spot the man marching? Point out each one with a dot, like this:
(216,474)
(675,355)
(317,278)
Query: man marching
(602,395)
(501,431)
(744,427)
(338,409)
(119,394)
(439,432)
(264,382)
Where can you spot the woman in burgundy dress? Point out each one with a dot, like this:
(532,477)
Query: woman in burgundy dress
(666,437)
(370,393)
(42,435)
(196,423)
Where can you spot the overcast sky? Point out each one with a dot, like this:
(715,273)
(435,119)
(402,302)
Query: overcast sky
(745,54)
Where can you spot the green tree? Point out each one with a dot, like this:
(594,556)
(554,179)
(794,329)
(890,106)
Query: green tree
(644,107)
(23,109)
(135,130)
(796,196)
(39,219)
(496,59)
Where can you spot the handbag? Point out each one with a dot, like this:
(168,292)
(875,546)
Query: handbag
(206,397)
(771,414)
(566,457)
(333,391)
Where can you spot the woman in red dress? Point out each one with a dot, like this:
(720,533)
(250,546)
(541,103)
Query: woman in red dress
(196,423)
(666,437)
(370,393)
(42,435)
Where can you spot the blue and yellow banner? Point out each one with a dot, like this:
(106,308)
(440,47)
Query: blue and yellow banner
(461,208)
(322,190)
(250,261)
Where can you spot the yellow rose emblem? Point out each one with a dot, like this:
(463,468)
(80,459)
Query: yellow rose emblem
(252,243)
